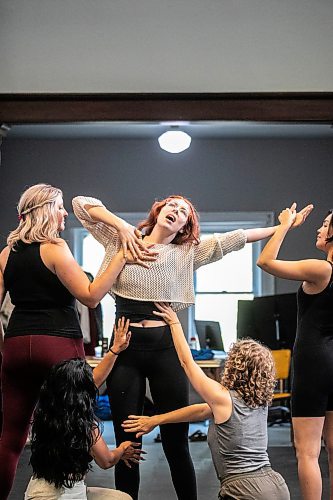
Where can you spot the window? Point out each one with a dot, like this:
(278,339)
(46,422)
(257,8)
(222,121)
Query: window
(219,286)
(92,256)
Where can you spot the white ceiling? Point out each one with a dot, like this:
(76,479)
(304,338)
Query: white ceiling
(144,130)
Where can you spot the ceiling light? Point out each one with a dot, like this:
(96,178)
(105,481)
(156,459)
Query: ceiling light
(174,141)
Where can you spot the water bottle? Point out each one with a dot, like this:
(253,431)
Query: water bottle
(98,351)
(193,343)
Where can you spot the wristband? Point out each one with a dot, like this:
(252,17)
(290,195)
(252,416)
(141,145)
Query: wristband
(115,353)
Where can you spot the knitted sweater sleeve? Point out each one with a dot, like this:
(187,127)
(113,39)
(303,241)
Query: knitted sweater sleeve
(103,233)
(216,247)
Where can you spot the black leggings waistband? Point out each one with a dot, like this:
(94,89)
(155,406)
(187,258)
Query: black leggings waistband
(150,338)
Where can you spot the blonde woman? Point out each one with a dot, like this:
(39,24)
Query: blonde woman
(238,406)
(43,280)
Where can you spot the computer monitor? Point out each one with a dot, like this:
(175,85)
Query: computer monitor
(271,320)
(209,334)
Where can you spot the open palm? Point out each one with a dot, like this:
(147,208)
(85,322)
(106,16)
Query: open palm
(302,215)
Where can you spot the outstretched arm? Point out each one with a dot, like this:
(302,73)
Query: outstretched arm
(210,390)
(143,425)
(59,258)
(257,234)
(120,342)
(127,451)
(311,270)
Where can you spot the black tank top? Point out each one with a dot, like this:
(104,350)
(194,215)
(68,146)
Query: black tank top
(43,305)
(135,310)
(315,316)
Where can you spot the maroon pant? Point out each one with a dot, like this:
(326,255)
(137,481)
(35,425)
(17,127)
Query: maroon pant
(25,363)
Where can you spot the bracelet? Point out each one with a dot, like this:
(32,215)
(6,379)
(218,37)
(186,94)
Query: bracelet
(115,353)
(174,323)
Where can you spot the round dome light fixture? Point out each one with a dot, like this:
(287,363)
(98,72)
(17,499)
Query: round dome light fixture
(174,141)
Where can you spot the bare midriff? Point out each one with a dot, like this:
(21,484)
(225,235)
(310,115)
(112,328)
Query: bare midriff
(146,323)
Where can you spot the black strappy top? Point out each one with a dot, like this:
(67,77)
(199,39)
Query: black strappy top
(315,315)
(43,305)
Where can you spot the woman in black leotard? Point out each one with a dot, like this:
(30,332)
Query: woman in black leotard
(312,387)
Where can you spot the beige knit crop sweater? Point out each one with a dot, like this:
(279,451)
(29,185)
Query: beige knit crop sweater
(170,277)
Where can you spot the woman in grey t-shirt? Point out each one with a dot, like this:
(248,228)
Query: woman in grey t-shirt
(238,406)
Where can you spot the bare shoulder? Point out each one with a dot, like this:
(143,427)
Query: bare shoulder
(223,408)
(55,250)
(4,257)
(55,245)
(320,264)
(222,395)
(319,276)
(225,394)
(321,268)
(5,252)
(59,241)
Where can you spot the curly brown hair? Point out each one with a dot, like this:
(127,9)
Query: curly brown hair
(250,371)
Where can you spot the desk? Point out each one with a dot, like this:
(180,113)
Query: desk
(212,367)
(93,361)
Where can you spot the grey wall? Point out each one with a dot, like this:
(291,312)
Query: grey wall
(218,175)
(166,46)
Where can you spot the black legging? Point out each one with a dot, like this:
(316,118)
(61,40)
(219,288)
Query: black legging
(151,355)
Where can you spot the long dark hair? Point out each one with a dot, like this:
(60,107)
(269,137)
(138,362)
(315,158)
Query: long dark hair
(64,423)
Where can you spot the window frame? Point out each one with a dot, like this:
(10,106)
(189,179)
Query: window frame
(221,222)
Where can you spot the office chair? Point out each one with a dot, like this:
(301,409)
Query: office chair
(280,413)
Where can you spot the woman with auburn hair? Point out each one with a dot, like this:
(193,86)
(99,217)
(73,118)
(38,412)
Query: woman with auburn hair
(172,228)
(43,279)
(238,405)
(312,390)
(66,437)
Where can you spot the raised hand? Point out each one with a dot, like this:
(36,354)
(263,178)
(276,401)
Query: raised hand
(139,424)
(287,216)
(132,452)
(121,335)
(302,215)
(291,218)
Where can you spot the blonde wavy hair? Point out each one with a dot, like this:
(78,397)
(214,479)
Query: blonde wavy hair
(250,371)
(37,215)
